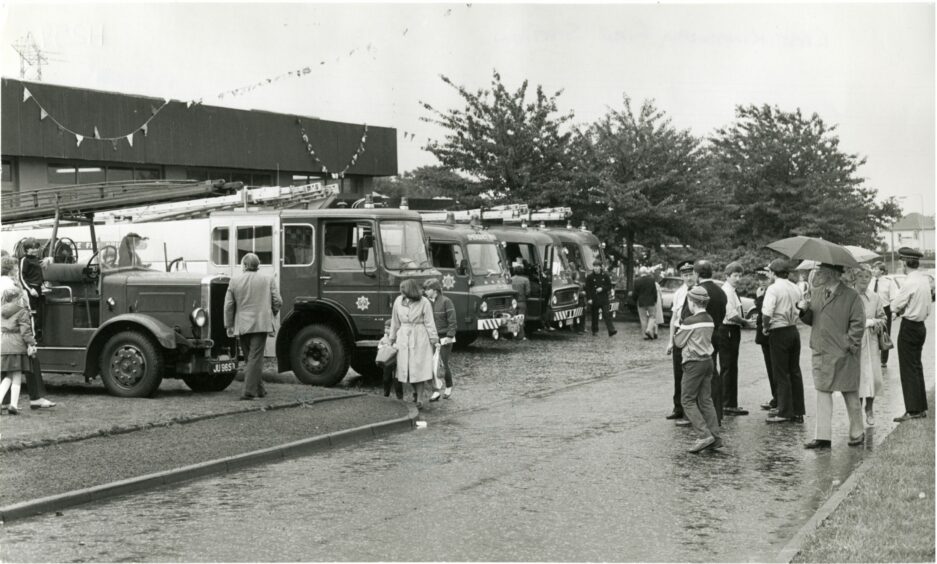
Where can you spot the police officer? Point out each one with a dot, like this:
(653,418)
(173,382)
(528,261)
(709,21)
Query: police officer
(598,286)
(912,305)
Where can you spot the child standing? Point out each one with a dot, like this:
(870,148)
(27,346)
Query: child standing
(694,336)
(390,367)
(17,343)
(31,280)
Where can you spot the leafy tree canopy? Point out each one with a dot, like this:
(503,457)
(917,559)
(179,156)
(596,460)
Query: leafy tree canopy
(786,175)
(511,144)
(430,182)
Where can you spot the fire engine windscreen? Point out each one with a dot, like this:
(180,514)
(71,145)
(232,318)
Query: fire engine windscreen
(485,259)
(404,246)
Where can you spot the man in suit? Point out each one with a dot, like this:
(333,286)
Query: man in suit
(250,308)
(716,308)
(912,305)
(598,287)
(837,319)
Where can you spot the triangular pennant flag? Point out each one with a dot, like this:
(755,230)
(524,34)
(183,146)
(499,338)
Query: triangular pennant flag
(43,114)
(78,140)
(165,101)
(153,110)
(96,134)
(143,127)
(26,94)
(130,139)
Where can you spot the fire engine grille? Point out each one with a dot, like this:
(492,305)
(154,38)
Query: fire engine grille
(499,303)
(564,297)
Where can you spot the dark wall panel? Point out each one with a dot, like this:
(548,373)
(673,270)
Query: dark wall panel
(204,136)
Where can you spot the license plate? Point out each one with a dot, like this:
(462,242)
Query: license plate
(222,367)
(569,322)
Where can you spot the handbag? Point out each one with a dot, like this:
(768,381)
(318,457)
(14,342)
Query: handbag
(386,355)
(884,341)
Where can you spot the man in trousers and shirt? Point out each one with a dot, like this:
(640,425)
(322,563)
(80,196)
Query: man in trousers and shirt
(837,319)
(680,310)
(645,296)
(887,290)
(250,309)
(598,286)
(730,339)
(912,305)
(779,315)
(716,308)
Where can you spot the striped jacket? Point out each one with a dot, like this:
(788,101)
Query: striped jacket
(695,337)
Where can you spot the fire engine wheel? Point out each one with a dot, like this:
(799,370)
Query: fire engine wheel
(131,365)
(209,382)
(465,338)
(318,356)
(363,363)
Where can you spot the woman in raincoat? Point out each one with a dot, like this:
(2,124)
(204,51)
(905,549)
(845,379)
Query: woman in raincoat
(870,370)
(413,334)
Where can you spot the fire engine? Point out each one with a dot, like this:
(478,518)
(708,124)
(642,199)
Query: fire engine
(131,325)
(581,249)
(475,276)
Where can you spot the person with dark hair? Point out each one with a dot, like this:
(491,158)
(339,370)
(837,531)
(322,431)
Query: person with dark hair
(730,338)
(837,319)
(645,296)
(912,305)
(680,310)
(598,287)
(761,338)
(780,325)
(250,309)
(887,290)
(31,280)
(716,308)
(127,253)
(413,333)
(444,316)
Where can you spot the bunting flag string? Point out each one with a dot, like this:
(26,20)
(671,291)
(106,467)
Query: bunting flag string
(43,114)
(312,153)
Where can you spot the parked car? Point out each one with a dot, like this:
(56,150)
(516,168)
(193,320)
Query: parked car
(669,285)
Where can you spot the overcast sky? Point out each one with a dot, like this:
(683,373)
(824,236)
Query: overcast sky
(867,67)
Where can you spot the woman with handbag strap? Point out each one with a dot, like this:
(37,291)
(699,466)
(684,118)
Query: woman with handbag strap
(870,370)
(413,333)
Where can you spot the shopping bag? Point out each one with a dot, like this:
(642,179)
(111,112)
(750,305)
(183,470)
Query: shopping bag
(386,355)
(438,382)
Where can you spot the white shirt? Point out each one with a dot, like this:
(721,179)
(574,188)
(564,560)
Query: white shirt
(679,297)
(780,305)
(733,304)
(885,288)
(913,299)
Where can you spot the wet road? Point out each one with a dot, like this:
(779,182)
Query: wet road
(551,450)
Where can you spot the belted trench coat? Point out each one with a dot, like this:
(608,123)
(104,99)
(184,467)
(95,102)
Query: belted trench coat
(413,334)
(838,323)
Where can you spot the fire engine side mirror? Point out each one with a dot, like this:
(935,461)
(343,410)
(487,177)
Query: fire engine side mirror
(462,268)
(365,243)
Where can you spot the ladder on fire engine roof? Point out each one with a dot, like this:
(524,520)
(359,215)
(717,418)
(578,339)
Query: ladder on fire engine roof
(81,202)
(511,213)
(309,196)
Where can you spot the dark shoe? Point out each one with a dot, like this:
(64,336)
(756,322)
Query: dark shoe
(769,405)
(734,411)
(773,411)
(884,365)
(718,443)
(702,444)
(675,414)
(11,410)
(247,397)
(910,415)
(613,333)
(262,394)
(857,441)
(797,419)
(419,405)
(818,444)
(683,422)
(776,419)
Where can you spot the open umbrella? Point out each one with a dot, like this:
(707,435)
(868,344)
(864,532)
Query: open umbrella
(813,248)
(861,254)
(807,265)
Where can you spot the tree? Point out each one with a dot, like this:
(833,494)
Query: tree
(513,146)
(640,180)
(786,175)
(430,182)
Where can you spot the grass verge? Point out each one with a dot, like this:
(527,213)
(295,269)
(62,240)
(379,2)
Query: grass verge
(885,518)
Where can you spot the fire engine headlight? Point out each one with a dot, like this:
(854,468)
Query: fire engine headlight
(575,296)
(553,301)
(513,304)
(483,307)
(199,317)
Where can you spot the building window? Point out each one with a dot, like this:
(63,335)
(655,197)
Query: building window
(7,171)
(298,245)
(90,174)
(303,179)
(118,174)
(60,174)
(146,174)
(219,246)
(256,239)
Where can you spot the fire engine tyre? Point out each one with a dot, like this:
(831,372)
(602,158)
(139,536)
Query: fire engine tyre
(209,382)
(363,363)
(465,338)
(131,365)
(318,356)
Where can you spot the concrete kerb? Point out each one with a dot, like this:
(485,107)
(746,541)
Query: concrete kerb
(301,447)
